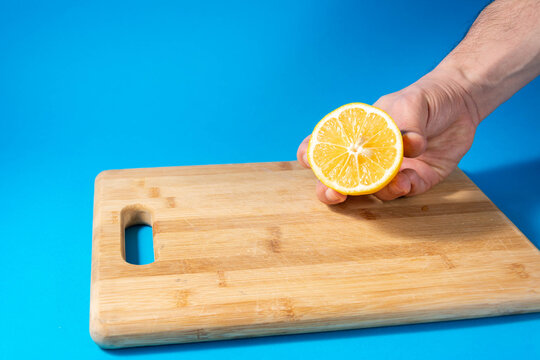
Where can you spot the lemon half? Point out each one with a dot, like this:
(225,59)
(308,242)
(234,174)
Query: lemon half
(356,149)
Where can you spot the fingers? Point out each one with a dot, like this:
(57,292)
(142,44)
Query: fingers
(406,183)
(301,154)
(399,186)
(327,195)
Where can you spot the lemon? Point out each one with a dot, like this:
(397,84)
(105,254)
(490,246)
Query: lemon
(356,149)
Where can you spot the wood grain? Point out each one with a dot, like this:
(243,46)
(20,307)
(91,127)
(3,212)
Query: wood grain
(247,250)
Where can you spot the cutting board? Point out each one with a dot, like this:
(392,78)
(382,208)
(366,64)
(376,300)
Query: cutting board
(247,250)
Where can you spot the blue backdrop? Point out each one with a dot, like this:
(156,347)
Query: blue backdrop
(103,85)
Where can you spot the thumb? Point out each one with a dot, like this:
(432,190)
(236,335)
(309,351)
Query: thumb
(414,144)
(410,115)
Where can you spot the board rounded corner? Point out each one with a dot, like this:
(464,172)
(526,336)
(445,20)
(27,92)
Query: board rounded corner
(102,175)
(101,333)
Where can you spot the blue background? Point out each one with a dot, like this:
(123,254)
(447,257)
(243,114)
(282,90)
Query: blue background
(103,85)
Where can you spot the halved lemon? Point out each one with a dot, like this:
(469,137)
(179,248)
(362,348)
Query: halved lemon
(356,149)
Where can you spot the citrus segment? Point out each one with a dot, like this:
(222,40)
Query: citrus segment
(333,132)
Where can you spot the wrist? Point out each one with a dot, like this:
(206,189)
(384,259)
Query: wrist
(449,91)
(493,75)
(476,88)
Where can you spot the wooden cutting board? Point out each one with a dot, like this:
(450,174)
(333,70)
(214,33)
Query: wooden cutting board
(247,250)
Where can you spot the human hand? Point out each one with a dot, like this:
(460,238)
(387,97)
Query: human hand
(439,113)
(437,118)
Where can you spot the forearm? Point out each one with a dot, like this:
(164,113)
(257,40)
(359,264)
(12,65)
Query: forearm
(499,55)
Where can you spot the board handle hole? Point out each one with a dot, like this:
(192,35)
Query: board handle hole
(137,242)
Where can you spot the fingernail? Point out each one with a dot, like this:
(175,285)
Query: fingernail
(331,195)
(400,186)
(395,187)
(304,157)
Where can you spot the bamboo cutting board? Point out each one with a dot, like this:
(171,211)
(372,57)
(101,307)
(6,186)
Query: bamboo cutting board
(247,250)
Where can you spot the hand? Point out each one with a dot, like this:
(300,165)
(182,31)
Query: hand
(437,118)
(439,113)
